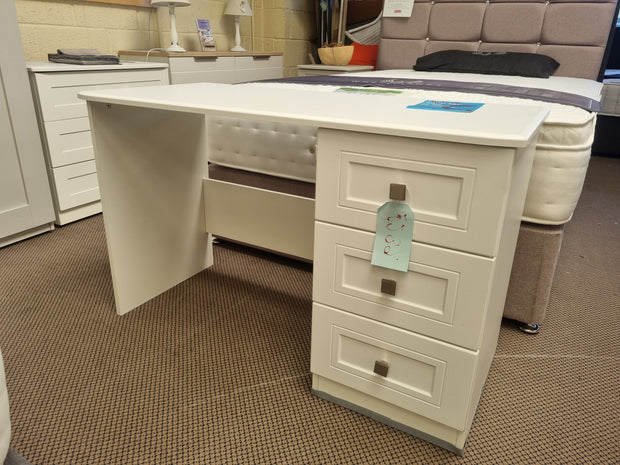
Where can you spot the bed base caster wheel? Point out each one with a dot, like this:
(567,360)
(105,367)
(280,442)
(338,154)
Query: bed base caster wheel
(529,328)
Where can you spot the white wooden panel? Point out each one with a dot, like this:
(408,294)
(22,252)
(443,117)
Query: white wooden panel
(223,76)
(425,376)
(458,192)
(258,62)
(443,295)
(151,194)
(247,75)
(25,200)
(58,91)
(200,64)
(279,222)
(69,141)
(76,184)
(257,68)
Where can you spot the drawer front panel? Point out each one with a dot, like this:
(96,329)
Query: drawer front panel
(69,141)
(247,75)
(223,76)
(419,374)
(258,62)
(444,293)
(76,184)
(456,191)
(201,64)
(58,91)
(257,68)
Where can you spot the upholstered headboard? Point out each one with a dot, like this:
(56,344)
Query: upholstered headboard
(573,32)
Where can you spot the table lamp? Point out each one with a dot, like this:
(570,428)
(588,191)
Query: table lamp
(174,38)
(238,8)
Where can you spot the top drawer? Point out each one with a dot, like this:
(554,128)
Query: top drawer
(256,68)
(201,64)
(185,70)
(57,92)
(258,62)
(458,192)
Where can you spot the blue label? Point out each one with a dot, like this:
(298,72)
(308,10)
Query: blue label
(438,105)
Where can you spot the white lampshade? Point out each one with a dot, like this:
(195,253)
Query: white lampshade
(174,38)
(238,8)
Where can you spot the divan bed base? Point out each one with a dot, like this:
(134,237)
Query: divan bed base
(277,214)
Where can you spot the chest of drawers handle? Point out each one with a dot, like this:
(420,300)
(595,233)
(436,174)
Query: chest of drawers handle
(381,368)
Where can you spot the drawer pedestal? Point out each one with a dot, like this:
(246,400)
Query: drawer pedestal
(413,349)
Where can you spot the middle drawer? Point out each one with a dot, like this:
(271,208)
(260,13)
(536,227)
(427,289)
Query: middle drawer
(69,141)
(443,294)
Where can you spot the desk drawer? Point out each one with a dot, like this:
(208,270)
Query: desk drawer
(69,141)
(443,295)
(457,191)
(57,92)
(76,185)
(416,373)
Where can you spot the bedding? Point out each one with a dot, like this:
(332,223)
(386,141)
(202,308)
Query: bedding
(563,148)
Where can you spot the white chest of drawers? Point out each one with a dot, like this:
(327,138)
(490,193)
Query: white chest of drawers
(222,67)
(413,348)
(65,129)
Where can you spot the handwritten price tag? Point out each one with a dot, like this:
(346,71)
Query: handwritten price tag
(392,247)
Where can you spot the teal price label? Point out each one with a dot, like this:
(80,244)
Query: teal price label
(438,105)
(392,248)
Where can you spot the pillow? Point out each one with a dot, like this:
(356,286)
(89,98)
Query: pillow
(364,55)
(509,63)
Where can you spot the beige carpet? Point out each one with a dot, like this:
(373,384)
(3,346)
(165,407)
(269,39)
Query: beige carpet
(217,369)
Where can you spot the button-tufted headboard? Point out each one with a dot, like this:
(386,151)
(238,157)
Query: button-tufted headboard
(573,32)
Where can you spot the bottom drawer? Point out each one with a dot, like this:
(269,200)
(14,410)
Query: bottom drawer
(422,375)
(76,184)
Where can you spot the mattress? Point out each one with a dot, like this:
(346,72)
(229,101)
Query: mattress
(560,162)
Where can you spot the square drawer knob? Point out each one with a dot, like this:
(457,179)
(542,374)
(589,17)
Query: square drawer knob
(398,191)
(388,286)
(381,368)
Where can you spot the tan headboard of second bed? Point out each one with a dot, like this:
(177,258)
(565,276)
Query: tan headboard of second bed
(573,32)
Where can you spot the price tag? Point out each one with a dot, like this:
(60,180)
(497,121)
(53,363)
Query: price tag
(392,247)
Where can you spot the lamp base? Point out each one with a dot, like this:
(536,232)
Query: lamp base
(238,48)
(175,48)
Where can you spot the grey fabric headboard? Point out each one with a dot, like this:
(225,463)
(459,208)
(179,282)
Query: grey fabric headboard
(573,32)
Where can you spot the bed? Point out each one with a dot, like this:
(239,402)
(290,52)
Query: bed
(252,160)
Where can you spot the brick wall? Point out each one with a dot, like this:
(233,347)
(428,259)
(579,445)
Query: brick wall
(277,25)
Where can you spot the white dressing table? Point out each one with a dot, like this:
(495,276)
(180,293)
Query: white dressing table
(415,353)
